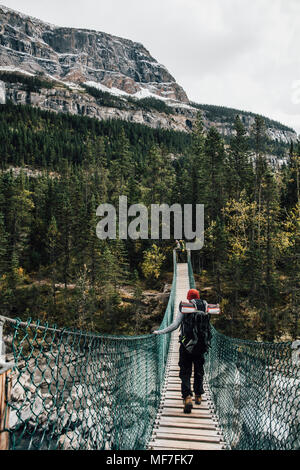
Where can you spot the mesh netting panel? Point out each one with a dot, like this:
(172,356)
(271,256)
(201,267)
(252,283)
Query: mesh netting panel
(72,390)
(255,391)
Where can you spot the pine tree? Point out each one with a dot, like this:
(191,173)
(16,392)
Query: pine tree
(92,243)
(238,219)
(52,243)
(160,177)
(85,300)
(20,218)
(270,213)
(291,177)
(214,175)
(255,259)
(138,291)
(3,247)
(239,167)
(195,174)
(65,229)
(121,168)
(109,280)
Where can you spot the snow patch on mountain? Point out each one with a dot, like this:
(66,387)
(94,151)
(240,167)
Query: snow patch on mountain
(12,69)
(143,93)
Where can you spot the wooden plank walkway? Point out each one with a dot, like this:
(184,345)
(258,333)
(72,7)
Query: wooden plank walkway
(175,429)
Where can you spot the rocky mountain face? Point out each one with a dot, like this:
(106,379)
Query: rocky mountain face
(80,55)
(72,58)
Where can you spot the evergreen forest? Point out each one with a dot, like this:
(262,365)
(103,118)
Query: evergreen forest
(56,169)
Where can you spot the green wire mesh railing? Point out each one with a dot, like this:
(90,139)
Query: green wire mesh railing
(73,390)
(255,391)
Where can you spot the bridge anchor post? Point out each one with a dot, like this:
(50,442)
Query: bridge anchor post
(5,392)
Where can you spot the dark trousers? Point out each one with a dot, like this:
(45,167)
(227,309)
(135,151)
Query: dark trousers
(186,361)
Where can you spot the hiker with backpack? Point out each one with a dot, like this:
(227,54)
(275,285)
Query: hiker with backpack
(194,343)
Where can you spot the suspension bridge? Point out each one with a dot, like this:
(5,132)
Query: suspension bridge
(173,429)
(62,389)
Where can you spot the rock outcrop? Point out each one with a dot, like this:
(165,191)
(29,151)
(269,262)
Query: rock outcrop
(65,100)
(2,93)
(61,99)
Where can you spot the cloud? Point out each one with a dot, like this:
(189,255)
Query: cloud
(229,52)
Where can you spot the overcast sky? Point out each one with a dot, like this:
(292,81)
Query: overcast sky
(236,53)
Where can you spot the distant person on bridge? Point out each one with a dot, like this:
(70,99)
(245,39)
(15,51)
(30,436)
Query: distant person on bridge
(177,245)
(180,246)
(194,343)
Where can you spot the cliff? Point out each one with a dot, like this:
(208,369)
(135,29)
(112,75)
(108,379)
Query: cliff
(71,63)
(80,55)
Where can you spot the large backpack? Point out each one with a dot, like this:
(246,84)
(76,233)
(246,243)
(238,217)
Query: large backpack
(195,328)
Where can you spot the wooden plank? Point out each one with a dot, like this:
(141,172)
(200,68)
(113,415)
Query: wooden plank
(177,401)
(174,385)
(191,431)
(187,437)
(173,396)
(162,448)
(185,445)
(172,403)
(173,448)
(196,410)
(176,394)
(177,413)
(187,423)
(179,406)
(176,391)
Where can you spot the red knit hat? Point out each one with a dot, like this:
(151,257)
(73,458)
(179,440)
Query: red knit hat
(193,294)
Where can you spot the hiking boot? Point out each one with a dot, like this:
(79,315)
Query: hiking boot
(188,404)
(197,399)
